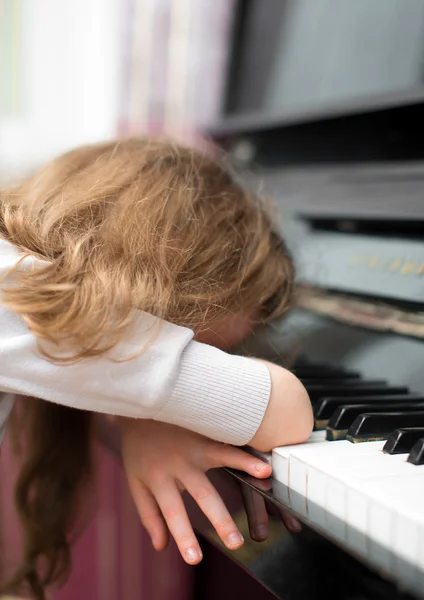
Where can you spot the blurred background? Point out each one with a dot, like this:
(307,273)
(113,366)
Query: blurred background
(87,70)
(276,82)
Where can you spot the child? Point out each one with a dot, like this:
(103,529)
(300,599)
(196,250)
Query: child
(112,258)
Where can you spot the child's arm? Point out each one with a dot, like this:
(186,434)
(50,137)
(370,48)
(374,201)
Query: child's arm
(174,380)
(288,418)
(171,378)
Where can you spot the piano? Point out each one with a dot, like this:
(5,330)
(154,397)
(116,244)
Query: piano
(356,339)
(322,106)
(359,480)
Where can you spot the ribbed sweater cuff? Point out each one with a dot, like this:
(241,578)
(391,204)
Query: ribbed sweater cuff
(221,396)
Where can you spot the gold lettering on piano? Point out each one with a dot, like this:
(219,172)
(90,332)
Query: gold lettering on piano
(396,264)
(373,262)
(408,268)
(387,264)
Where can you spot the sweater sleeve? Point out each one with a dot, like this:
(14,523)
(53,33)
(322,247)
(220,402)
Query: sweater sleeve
(159,372)
(174,379)
(218,395)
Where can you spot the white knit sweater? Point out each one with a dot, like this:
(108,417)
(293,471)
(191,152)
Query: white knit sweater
(175,380)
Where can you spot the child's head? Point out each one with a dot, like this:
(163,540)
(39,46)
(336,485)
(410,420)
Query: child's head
(136,224)
(141,224)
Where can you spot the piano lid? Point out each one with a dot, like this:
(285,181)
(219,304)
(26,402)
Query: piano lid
(373,279)
(382,268)
(362,191)
(355,229)
(357,237)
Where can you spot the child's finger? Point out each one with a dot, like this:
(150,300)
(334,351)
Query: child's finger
(257,514)
(229,456)
(212,505)
(149,513)
(291,523)
(173,510)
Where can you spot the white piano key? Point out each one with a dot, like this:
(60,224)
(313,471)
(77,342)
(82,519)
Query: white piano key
(280,464)
(396,528)
(339,473)
(379,536)
(377,500)
(277,459)
(317,483)
(335,508)
(365,466)
(356,521)
(349,490)
(371,529)
(280,456)
(306,473)
(317,492)
(324,456)
(298,494)
(408,529)
(300,457)
(405,546)
(281,492)
(420,557)
(328,493)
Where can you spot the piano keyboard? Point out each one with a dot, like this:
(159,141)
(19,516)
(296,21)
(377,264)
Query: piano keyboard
(360,476)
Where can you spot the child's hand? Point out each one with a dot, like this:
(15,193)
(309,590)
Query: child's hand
(161,461)
(257,510)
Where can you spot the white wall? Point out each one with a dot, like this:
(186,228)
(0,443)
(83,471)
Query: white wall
(71,80)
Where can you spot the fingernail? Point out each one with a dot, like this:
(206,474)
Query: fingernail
(261,532)
(294,525)
(260,467)
(193,555)
(234,540)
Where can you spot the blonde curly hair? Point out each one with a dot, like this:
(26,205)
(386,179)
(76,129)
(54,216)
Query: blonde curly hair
(123,226)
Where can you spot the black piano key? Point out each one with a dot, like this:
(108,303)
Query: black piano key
(344,416)
(372,427)
(304,361)
(324,408)
(416,456)
(402,440)
(327,378)
(368,388)
(314,371)
(307,381)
